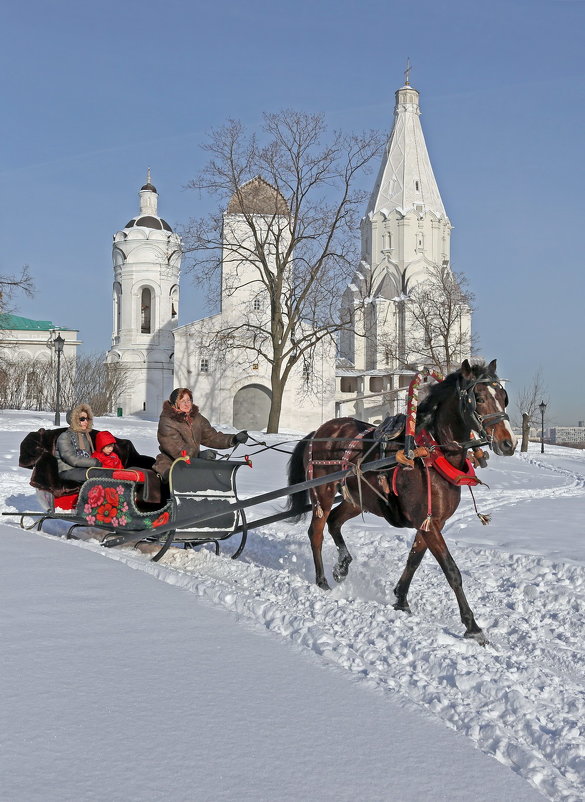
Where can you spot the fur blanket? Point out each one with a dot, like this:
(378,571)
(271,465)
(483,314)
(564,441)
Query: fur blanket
(37,451)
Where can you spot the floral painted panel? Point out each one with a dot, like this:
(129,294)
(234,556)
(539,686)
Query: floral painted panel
(111,502)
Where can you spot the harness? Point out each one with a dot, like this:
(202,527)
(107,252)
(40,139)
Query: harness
(420,445)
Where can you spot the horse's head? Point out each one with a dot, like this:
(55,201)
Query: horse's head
(483,402)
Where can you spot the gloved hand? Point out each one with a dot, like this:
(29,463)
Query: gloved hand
(209,454)
(240,437)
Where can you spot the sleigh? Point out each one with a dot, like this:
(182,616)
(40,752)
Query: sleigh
(131,506)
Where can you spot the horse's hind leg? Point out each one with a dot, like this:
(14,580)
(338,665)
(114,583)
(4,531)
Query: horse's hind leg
(417,552)
(322,503)
(342,513)
(436,543)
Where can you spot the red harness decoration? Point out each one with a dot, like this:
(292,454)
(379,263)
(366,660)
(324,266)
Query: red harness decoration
(438,461)
(455,476)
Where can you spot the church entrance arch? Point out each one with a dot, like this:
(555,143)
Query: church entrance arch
(251,407)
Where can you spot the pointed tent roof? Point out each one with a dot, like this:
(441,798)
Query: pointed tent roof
(406,177)
(257,196)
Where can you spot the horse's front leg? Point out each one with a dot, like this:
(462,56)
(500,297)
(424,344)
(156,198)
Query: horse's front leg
(417,552)
(436,543)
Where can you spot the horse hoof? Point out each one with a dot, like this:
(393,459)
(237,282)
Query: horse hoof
(402,607)
(477,636)
(323,584)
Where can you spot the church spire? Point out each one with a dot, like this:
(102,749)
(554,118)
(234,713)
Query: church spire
(406,179)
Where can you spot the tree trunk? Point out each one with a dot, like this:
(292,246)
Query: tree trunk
(277,388)
(525,431)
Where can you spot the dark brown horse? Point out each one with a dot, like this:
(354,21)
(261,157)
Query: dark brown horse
(466,409)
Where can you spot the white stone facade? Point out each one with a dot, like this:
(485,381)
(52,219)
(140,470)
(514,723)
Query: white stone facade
(28,340)
(147,261)
(232,385)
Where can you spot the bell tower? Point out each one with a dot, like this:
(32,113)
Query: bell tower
(147,263)
(405,233)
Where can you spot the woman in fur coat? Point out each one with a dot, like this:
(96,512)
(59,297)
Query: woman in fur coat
(74,446)
(182,427)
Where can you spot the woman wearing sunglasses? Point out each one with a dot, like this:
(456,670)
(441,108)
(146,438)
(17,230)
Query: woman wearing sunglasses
(74,445)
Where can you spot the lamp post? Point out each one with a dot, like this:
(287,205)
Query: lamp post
(542,408)
(58,343)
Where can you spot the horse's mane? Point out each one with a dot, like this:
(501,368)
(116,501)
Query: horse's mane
(442,391)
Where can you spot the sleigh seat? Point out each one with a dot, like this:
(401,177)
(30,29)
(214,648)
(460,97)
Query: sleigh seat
(38,452)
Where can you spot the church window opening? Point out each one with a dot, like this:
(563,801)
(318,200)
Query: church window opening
(117,307)
(376,384)
(146,311)
(174,303)
(417,186)
(256,305)
(204,364)
(348,384)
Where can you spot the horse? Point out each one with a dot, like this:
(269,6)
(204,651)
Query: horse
(465,410)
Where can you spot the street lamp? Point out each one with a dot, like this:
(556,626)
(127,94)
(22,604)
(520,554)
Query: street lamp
(58,343)
(542,408)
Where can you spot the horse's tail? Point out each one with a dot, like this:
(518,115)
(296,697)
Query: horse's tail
(296,473)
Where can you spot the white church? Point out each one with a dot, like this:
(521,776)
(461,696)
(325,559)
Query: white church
(405,232)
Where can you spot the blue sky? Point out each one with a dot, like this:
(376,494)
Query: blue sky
(93,95)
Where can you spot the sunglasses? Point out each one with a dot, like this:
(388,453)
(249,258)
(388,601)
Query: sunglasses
(83,418)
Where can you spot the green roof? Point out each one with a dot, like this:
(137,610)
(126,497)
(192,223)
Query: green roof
(25,324)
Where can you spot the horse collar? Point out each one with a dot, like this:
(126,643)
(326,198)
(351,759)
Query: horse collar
(437,460)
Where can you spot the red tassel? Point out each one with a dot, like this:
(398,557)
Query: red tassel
(427,524)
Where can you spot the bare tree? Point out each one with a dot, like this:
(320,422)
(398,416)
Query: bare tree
(95,382)
(438,331)
(10,285)
(527,403)
(291,240)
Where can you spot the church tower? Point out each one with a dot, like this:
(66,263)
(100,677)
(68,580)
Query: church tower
(405,232)
(147,261)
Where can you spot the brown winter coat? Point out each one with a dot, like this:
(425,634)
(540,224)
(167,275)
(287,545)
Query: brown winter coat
(180,431)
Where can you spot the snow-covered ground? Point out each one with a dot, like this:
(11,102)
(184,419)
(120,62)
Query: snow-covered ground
(203,678)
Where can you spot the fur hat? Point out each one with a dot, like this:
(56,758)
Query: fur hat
(73,415)
(103,439)
(177,393)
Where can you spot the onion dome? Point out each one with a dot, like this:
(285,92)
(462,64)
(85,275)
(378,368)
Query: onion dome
(148,214)
(149,221)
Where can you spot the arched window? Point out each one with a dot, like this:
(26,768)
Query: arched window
(174,302)
(146,311)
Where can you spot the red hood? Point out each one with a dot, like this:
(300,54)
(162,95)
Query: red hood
(103,439)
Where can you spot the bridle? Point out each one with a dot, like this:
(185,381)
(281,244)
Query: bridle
(471,417)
